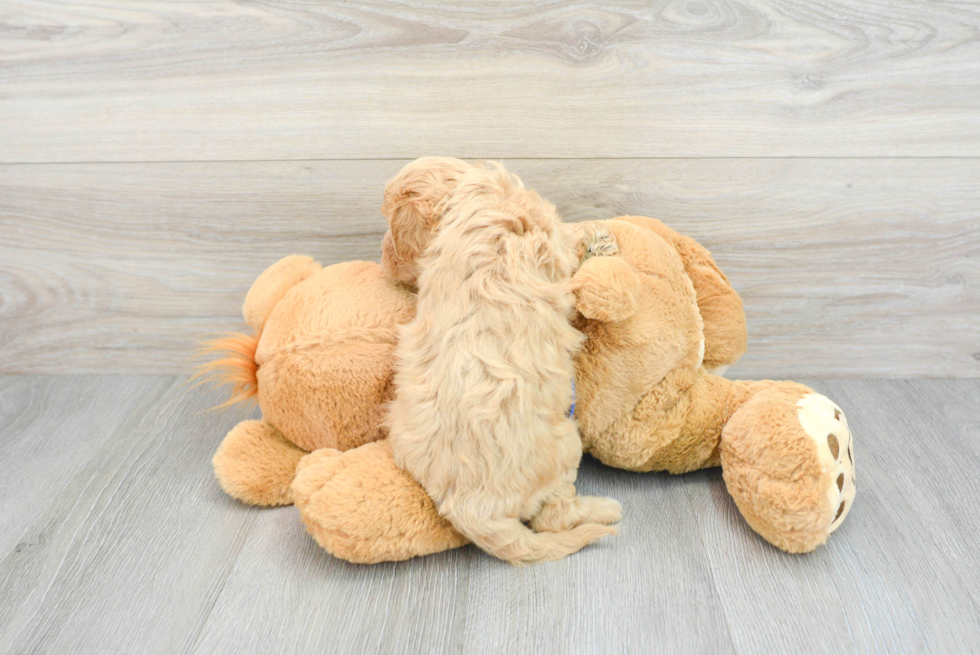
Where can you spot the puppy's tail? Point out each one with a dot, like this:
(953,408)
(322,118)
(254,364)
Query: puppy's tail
(509,539)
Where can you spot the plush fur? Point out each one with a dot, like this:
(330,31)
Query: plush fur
(257,463)
(646,403)
(657,314)
(319,363)
(484,376)
(409,524)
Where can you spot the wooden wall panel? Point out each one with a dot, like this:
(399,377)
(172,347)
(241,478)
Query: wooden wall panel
(851,267)
(293,79)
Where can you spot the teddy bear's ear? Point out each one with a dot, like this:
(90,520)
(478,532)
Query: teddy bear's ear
(607,289)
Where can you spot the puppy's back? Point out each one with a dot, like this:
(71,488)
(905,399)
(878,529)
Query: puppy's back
(484,371)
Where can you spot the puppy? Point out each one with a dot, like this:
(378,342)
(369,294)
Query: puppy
(484,372)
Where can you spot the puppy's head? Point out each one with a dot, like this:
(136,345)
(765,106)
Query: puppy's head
(490,194)
(414,203)
(491,206)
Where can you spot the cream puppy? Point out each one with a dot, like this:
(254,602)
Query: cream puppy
(484,375)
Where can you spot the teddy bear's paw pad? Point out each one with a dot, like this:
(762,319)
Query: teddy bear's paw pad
(825,423)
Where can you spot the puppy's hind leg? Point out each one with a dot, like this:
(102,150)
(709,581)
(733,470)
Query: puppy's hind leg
(565,510)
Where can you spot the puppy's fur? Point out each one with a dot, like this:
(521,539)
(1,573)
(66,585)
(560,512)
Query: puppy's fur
(414,203)
(483,375)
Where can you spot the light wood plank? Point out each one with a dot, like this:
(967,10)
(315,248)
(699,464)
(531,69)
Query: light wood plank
(144,527)
(310,602)
(937,486)
(129,556)
(617,595)
(847,267)
(649,590)
(142,552)
(177,81)
(51,428)
(900,573)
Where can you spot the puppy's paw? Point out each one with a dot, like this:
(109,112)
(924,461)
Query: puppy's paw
(597,509)
(565,513)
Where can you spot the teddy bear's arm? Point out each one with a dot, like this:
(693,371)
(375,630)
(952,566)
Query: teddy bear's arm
(720,305)
(606,289)
(256,464)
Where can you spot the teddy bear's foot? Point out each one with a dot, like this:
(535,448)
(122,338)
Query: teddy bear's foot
(361,507)
(788,461)
(825,423)
(256,464)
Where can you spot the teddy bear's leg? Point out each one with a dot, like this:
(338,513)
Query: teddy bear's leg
(788,461)
(256,464)
(676,426)
(568,510)
(361,507)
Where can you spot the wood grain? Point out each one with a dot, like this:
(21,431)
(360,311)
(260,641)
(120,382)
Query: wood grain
(858,267)
(156,157)
(283,79)
(626,595)
(900,575)
(130,555)
(616,596)
(138,550)
(51,428)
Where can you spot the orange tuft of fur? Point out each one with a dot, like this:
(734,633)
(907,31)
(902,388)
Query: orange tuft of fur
(236,367)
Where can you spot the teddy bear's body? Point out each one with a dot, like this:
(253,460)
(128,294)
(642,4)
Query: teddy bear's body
(657,316)
(320,363)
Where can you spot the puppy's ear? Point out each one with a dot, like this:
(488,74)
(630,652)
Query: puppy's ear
(414,203)
(394,266)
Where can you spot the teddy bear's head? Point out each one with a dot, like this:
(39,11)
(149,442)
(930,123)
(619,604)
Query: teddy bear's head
(639,310)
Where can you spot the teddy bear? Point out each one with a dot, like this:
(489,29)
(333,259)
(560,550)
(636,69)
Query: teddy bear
(319,362)
(658,316)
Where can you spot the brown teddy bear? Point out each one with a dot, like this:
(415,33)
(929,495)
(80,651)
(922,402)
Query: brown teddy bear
(658,316)
(319,362)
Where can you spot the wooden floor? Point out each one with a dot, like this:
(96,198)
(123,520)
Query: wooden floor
(116,539)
